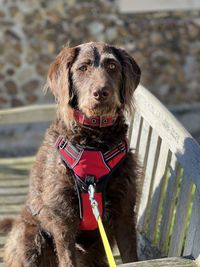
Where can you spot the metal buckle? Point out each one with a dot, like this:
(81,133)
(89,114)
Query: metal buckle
(103,121)
(90,179)
(62,144)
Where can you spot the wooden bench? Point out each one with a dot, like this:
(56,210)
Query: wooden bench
(169,211)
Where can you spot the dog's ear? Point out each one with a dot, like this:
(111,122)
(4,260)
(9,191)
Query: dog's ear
(59,79)
(130,76)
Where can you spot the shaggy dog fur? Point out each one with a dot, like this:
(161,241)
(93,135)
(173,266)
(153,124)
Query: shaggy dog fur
(97,79)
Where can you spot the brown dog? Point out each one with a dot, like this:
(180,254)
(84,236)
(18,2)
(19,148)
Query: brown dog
(97,80)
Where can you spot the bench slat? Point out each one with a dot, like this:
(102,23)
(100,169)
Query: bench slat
(166,262)
(139,135)
(192,244)
(13,191)
(8,183)
(18,199)
(171,131)
(146,182)
(157,192)
(146,189)
(36,113)
(11,176)
(169,204)
(131,122)
(135,131)
(142,146)
(7,209)
(178,234)
(3,239)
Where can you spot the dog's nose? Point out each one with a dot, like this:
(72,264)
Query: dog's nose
(101,93)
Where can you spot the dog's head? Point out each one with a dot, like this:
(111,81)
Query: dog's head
(95,78)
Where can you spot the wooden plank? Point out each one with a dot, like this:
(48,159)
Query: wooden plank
(10,209)
(6,175)
(17,161)
(130,123)
(135,131)
(18,199)
(3,239)
(154,148)
(142,146)
(139,135)
(178,234)
(37,113)
(14,183)
(158,191)
(171,131)
(146,156)
(14,172)
(166,262)
(146,183)
(169,204)
(145,249)
(198,261)
(142,6)
(1,254)
(11,215)
(192,244)
(13,191)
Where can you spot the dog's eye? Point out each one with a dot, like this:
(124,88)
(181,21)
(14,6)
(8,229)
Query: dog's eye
(83,68)
(112,66)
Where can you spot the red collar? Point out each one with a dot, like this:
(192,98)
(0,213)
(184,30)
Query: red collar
(95,121)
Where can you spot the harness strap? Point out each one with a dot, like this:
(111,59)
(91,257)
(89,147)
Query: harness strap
(72,153)
(89,166)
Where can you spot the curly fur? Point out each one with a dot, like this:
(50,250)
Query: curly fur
(47,232)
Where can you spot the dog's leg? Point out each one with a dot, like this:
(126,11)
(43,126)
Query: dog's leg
(92,257)
(27,247)
(93,253)
(65,247)
(125,234)
(63,229)
(21,249)
(19,252)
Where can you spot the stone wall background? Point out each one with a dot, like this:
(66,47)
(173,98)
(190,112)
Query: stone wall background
(165,44)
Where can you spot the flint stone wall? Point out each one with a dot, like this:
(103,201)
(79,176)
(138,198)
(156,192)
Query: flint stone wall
(165,44)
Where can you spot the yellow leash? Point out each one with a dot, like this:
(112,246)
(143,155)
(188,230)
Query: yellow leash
(104,238)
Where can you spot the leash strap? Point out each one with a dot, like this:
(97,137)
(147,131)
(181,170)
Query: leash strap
(104,238)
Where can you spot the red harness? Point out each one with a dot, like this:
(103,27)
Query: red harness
(89,166)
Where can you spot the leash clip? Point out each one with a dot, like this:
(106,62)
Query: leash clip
(95,209)
(93,202)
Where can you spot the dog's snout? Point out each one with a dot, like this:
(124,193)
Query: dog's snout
(101,93)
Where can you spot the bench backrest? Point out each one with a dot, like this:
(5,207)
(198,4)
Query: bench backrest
(169,211)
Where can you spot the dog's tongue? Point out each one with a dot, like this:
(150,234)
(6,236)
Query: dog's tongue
(94,121)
